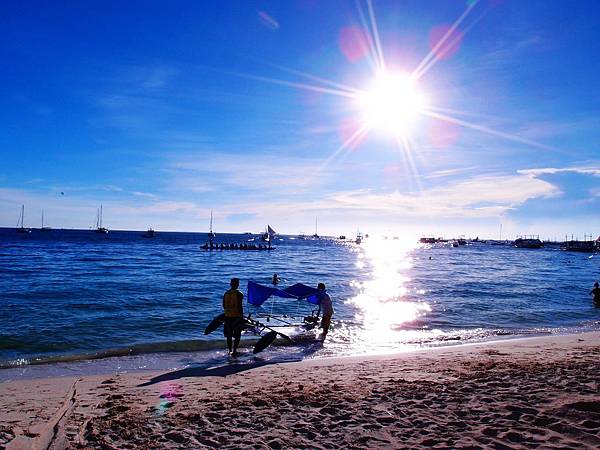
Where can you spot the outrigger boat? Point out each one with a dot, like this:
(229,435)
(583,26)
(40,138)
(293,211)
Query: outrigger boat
(259,322)
(243,247)
(267,237)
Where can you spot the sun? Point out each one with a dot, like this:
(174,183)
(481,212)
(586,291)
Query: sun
(391,104)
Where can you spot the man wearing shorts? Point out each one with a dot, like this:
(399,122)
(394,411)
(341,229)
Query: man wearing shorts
(234,316)
(326,307)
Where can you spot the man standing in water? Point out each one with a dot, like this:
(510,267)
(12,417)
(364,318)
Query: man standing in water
(234,316)
(596,293)
(326,307)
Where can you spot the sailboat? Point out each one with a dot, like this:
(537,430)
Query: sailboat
(316,235)
(359,237)
(20,227)
(211,233)
(45,229)
(268,235)
(99,227)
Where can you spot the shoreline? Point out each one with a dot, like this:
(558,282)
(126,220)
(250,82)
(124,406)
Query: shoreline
(522,392)
(138,355)
(133,359)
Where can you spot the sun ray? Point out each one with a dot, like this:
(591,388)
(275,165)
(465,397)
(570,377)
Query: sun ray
(460,112)
(419,71)
(294,84)
(356,136)
(375,31)
(405,145)
(433,61)
(457,38)
(490,131)
(372,50)
(318,79)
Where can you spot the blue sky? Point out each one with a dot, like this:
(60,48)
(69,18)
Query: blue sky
(163,111)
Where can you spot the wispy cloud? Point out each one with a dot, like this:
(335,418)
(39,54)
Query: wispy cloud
(584,170)
(145,194)
(451,172)
(82,188)
(482,196)
(257,172)
(477,197)
(34,181)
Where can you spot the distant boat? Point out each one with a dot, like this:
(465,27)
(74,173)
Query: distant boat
(585,246)
(211,234)
(150,233)
(528,242)
(359,237)
(268,235)
(580,246)
(342,237)
(301,236)
(20,227)
(316,235)
(99,228)
(45,229)
(428,240)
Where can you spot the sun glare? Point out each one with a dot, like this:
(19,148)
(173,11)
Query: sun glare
(392,104)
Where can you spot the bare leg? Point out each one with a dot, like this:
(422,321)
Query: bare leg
(325,323)
(236,343)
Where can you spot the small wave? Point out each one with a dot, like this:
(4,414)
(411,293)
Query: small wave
(138,349)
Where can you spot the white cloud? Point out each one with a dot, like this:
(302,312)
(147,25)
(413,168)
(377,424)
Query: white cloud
(478,197)
(258,173)
(92,187)
(595,171)
(483,196)
(144,194)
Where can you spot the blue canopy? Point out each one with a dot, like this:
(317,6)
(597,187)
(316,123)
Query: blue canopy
(258,294)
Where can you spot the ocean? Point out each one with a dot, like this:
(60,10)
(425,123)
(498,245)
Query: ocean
(85,301)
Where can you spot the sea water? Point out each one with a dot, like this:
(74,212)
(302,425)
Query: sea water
(80,299)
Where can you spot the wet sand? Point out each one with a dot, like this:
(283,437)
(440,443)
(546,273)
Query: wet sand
(527,393)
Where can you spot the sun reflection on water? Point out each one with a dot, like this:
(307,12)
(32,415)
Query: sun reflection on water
(387,309)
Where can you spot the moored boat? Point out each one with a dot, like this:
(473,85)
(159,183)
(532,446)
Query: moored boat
(585,246)
(359,237)
(20,224)
(99,228)
(528,242)
(44,229)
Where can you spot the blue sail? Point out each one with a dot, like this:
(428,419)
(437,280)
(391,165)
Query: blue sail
(258,294)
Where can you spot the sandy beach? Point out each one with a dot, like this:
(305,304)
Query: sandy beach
(538,392)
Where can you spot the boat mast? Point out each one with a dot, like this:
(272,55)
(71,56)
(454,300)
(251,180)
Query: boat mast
(22,218)
(42,218)
(100,217)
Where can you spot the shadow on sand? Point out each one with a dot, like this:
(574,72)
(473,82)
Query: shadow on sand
(226,369)
(220,371)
